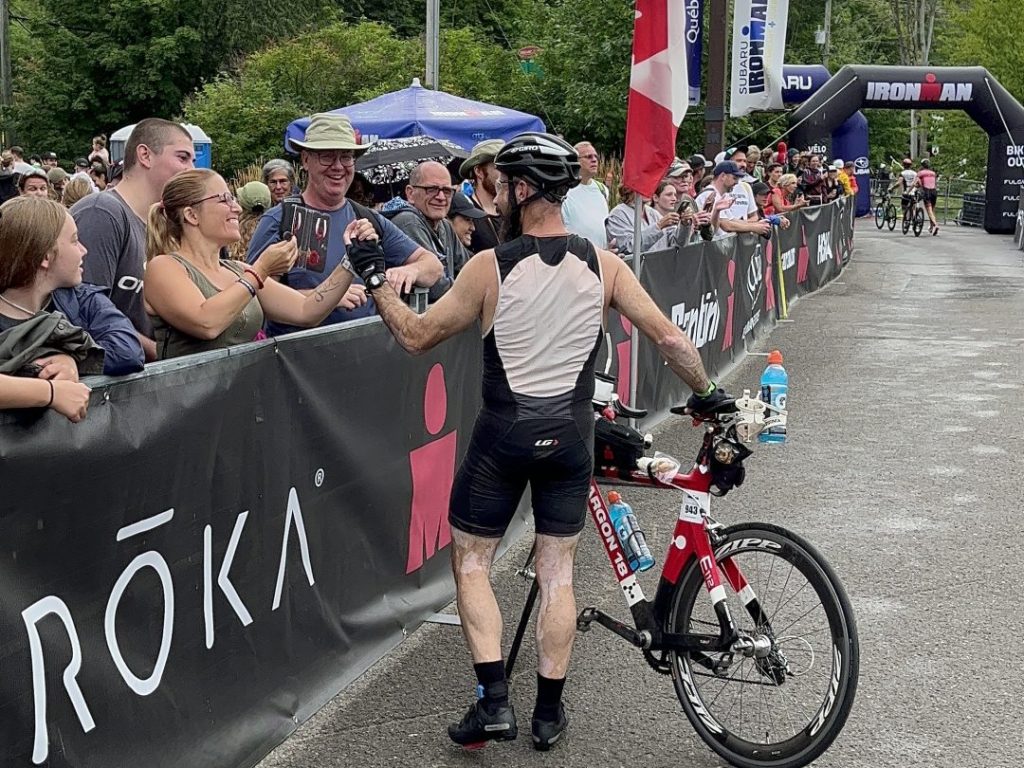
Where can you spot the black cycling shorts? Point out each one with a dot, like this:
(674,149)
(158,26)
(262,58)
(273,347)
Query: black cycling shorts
(555,456)
(930,196)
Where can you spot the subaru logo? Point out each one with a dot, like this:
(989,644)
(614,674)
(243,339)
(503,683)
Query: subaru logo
(861,162)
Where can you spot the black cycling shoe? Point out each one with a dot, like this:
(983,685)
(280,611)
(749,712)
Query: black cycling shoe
(478,727)
(547,732)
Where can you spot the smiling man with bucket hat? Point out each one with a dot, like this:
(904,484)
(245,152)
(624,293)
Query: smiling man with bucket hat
(328,153)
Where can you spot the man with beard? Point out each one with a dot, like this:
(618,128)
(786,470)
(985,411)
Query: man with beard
(541,298)
(478,168)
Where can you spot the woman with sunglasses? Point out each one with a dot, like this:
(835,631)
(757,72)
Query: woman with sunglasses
(199,301)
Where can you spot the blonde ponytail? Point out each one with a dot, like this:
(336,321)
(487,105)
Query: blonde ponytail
(165,225)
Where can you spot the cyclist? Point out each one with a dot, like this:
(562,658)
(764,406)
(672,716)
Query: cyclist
(906,182)
(926,181)
(541,298)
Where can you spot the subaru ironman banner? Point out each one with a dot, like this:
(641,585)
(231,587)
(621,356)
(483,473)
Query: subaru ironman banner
(758,48)
(694,45)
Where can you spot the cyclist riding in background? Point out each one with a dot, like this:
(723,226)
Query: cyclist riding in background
(906,182)
(541,299)
(926,180)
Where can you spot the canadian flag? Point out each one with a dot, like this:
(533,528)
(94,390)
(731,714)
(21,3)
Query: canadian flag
(658,94)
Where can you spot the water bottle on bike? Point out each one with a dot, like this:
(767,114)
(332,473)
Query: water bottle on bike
(774,389)
(632,539)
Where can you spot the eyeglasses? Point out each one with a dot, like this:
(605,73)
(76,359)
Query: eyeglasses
(224,197)
(327,159)
(433,191)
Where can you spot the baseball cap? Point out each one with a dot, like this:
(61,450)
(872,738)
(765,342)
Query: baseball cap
(49,155)
(838,164)
(719,159)
(760,188)
(699,161)
(462,207)
(678,168)
(727,166)
(57,175)
(81,163)
(254,194)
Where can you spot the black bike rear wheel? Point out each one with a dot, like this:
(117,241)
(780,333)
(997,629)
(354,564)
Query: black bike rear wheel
(785,709)
(890,216)
(880,215)
(918,222)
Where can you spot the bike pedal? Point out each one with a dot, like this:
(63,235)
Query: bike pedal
(583,621)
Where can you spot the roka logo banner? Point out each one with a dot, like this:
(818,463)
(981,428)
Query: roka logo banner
(758,48)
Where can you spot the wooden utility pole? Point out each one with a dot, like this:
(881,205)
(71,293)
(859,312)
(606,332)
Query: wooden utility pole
(714,111)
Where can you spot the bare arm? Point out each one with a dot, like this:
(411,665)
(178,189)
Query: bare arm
(456,311)
(283,304)
(748,225)
(624,292)
(175,298)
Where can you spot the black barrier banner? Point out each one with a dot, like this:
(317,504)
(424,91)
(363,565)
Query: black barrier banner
(220,548)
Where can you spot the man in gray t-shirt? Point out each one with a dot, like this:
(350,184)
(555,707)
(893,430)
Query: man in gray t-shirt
(116,240)
(112,224)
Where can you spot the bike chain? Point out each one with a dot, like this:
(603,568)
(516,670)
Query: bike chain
(661,664)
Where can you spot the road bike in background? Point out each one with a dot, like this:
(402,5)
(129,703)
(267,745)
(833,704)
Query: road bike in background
(885,211)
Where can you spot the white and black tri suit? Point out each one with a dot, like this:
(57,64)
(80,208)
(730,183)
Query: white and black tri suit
(537,421)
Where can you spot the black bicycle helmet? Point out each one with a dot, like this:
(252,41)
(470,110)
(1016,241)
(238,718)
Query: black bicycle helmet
(544,161)
(926,163)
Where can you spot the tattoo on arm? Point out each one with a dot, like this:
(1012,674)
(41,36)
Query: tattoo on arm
(332,283)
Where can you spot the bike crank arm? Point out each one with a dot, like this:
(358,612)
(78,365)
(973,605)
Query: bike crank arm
(641,638)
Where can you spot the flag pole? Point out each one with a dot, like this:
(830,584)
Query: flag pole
(634,335)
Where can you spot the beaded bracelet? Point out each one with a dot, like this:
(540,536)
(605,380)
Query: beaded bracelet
(251,271)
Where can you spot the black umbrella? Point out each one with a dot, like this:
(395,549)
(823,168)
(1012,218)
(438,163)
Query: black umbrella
(391,160)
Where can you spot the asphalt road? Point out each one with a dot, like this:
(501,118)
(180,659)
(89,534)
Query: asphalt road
(903,465)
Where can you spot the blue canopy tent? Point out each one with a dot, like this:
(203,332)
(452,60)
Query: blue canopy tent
(419,111)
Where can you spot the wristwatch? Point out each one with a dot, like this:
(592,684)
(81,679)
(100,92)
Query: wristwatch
(375,281)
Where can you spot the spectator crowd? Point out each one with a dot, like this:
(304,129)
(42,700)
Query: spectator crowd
(108,266)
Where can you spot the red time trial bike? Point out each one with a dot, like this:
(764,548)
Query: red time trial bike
(749,621)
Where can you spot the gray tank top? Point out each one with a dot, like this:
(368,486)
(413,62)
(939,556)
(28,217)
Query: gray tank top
(172,342)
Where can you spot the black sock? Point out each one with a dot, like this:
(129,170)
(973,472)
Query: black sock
(491,675)
(549,695)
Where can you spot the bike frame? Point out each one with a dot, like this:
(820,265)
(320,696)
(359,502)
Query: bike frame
(692,539)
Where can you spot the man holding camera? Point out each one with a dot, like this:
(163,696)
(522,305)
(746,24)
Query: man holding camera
(541,298)
(328,154)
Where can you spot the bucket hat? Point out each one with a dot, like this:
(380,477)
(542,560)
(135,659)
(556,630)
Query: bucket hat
(482,152)
(326,132)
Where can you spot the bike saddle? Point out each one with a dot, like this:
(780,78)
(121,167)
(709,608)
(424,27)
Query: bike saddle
(630,413)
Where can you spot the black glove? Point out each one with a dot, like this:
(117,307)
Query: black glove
(367,258)
(711,403)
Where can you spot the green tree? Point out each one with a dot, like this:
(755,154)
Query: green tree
(245,113)
(88,67)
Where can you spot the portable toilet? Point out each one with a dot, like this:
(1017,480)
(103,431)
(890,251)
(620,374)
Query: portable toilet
(200,141)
